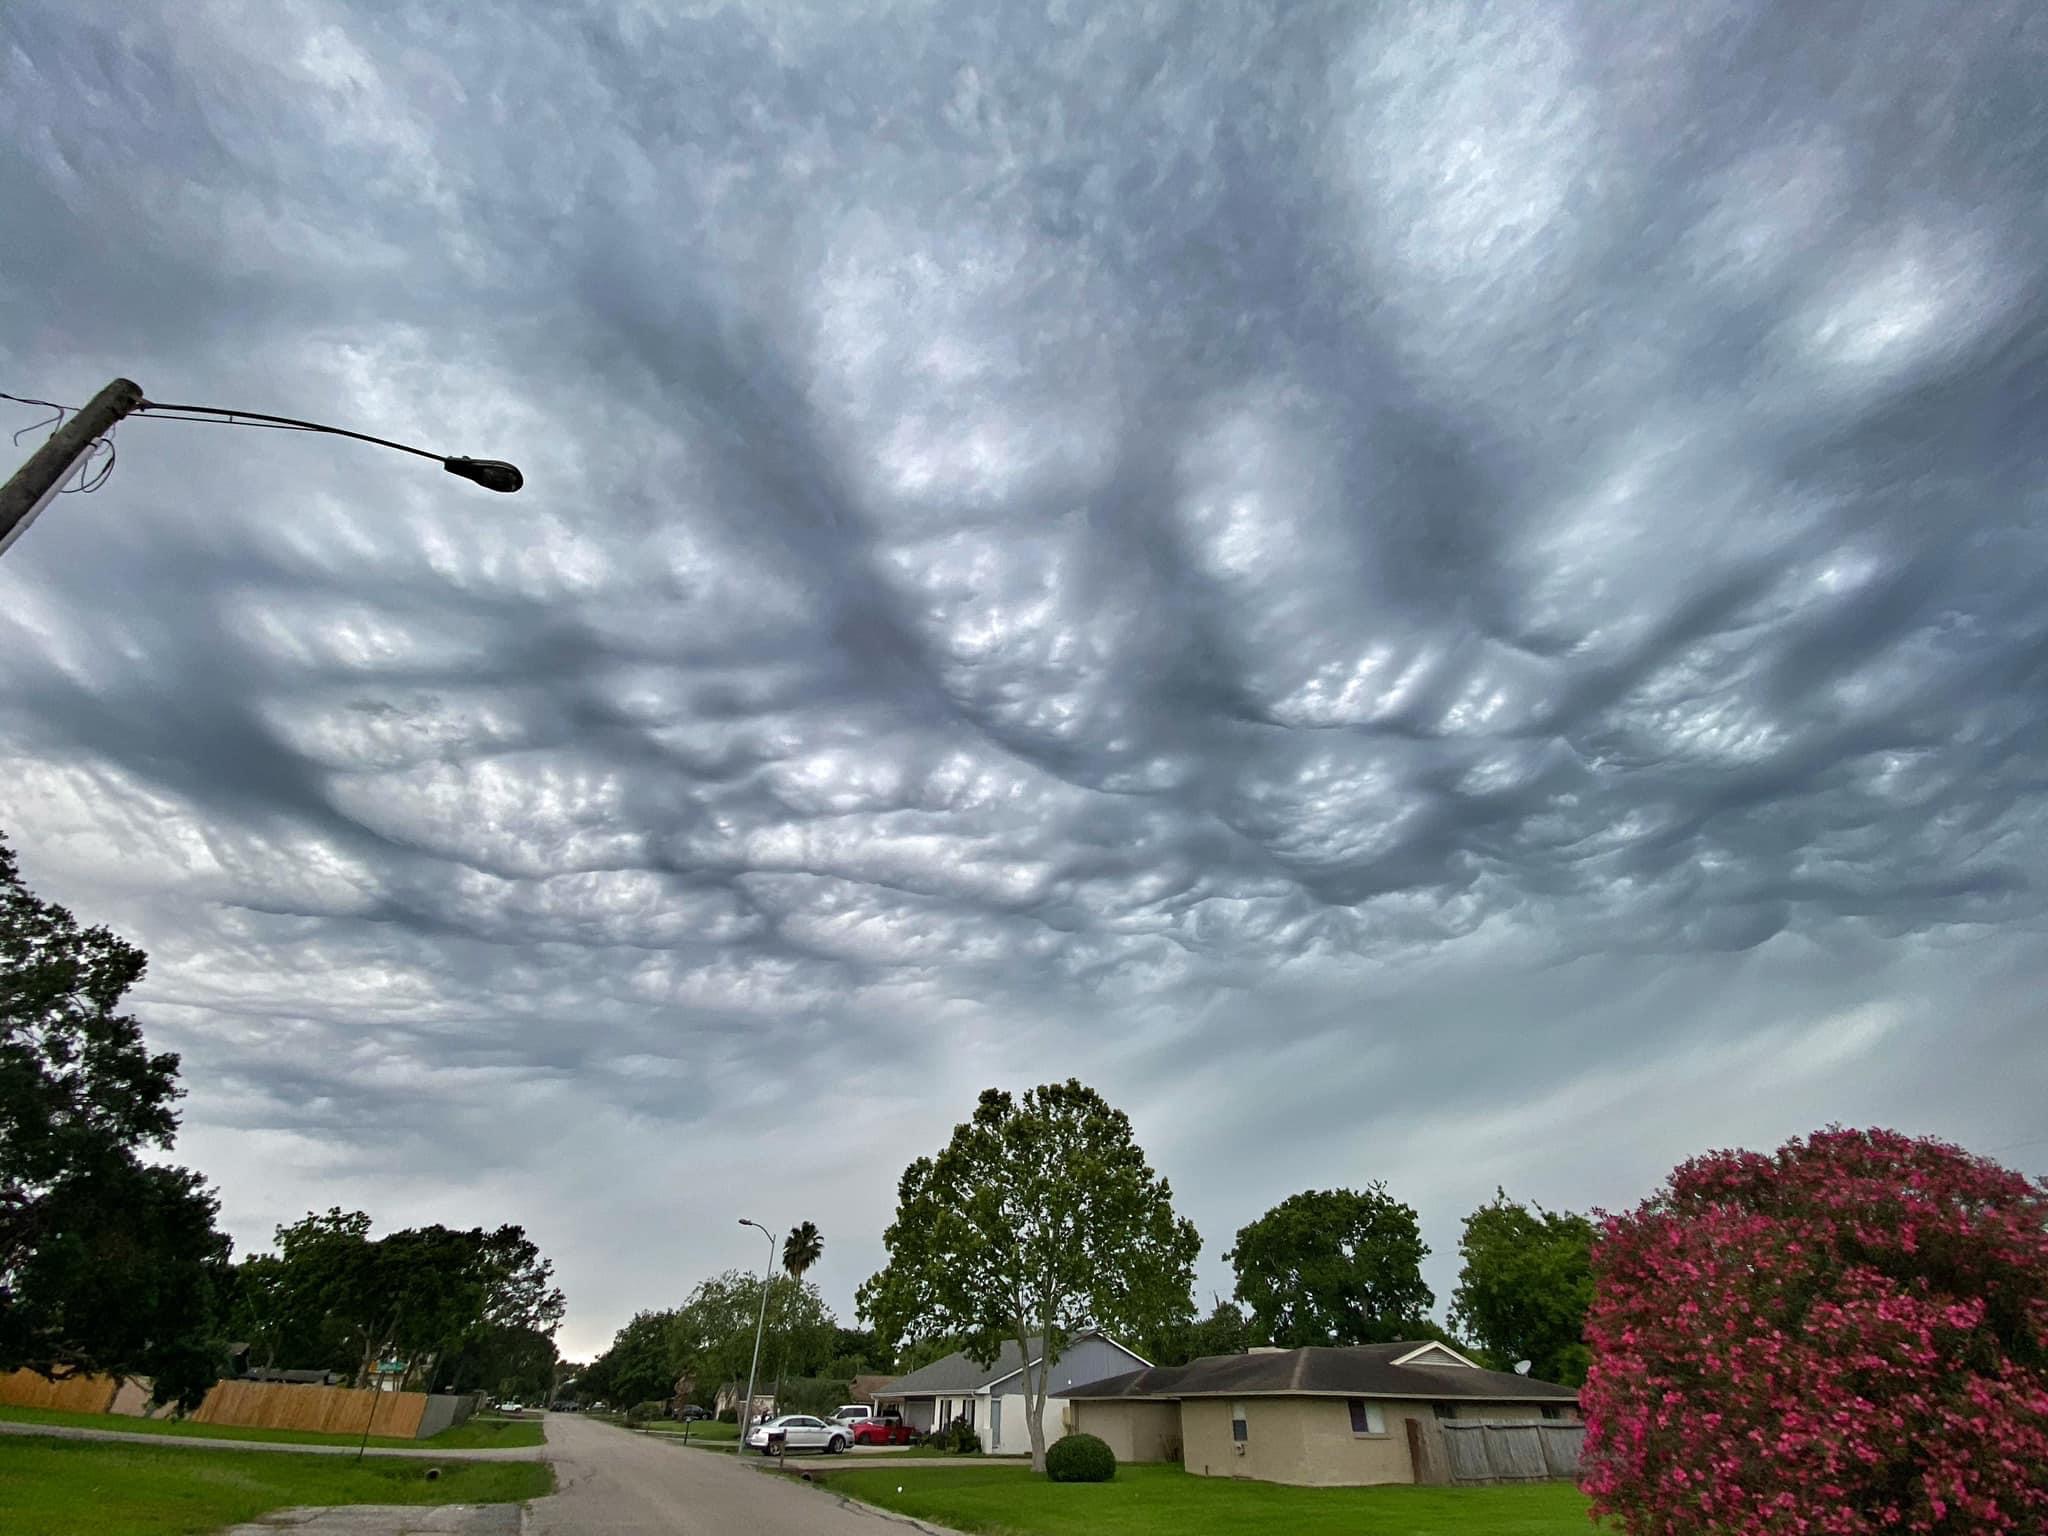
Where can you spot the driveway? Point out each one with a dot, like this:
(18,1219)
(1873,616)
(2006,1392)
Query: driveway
(615,1483)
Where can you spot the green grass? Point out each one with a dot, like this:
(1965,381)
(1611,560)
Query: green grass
(701,1431)
(1165,1501)
(477,1434)
(88,1488)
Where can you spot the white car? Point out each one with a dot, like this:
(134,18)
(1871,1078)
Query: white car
(853,1413)
(802,1433)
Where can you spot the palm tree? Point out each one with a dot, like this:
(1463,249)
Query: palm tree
(804,1246)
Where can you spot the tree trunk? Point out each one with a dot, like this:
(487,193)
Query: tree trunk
(1034,1404)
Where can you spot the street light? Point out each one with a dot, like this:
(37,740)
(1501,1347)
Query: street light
(38,480)
(767,1274)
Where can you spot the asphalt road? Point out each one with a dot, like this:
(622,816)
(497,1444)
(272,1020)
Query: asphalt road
(614,1483)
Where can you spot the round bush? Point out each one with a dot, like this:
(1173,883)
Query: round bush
(1080,1459)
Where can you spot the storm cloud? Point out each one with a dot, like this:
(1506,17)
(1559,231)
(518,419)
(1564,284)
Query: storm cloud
(1432,591)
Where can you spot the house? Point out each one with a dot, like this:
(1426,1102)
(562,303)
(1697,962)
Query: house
(991,1397)
(1327,1416)
(867,1389)
(733,1393)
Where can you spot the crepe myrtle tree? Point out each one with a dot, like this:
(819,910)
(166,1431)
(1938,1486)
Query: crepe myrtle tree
(1040,1217)
(1848,1336)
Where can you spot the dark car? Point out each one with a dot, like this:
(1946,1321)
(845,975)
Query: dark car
(690,1413)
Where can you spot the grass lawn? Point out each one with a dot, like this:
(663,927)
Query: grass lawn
(1167,1501)
(703,1431)
(477,1434)
(84,1488)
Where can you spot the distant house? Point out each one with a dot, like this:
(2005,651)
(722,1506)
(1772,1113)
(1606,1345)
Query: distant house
(867,1389)
(1313,1416)
(733,1392)
(992,1397)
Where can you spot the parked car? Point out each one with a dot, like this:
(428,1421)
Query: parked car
(800,1432)
(889,1429)
(690,1413)
(508,1406)
(853,1413)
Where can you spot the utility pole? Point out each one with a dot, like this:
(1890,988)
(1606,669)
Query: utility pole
(747,1413)
(47,468)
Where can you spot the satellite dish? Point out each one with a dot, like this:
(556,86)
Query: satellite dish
(1522,1367)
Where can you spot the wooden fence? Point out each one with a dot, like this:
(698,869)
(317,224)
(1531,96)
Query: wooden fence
(1494,1451)
(1514,1451)
(74,1394)
(330,1410)
(246,1404)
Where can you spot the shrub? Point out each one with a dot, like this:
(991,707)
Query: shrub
(955,1439)
(1080,1459)
(640,1413)
(728,1415)
(1847,1337)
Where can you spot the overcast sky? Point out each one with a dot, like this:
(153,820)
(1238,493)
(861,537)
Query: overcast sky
(1429,592)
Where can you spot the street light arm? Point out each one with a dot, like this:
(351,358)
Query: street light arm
(491,474)
(252,418)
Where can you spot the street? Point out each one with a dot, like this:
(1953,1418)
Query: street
(614,1483)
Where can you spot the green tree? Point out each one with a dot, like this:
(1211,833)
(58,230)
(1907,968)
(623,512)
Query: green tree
(444,1300)
(857,1352)
(1525,1285)
(106,1264)
(1039,1218)
(1225,1331)
(1334,1266)
(639,1365)
(918,1353)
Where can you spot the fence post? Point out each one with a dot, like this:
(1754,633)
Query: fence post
(1426,1452)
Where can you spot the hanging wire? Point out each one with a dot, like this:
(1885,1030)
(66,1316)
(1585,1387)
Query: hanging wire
(48,421)
(94,465)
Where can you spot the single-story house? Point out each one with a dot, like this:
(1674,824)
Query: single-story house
(991,1397)
(1334,1416)
(867,1389)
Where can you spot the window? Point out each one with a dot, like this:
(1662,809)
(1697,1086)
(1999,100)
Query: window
(1240,1431)
(1551,1412)
(1366,1418)
(1445,1410)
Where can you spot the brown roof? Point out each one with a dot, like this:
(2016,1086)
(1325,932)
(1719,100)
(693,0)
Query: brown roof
(1356,1370)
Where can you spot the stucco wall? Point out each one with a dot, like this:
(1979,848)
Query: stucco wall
(1306,1440)
(1135,1431)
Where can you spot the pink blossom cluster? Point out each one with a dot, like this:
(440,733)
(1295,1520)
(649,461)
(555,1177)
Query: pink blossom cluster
(1849,1336)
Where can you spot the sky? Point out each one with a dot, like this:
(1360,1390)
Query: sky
(1441,593)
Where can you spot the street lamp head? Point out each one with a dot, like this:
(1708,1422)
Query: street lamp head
(491,474)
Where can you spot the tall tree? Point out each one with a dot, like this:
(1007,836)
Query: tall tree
(106,1264)
(1525,1285)
(1225,1331)
(712,1335)
(639,1365)
(1334,1266)
(804,1246)
(1039,1218)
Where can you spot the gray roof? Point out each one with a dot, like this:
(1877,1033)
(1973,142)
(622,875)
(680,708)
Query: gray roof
(1357,1370)
(957,1373)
